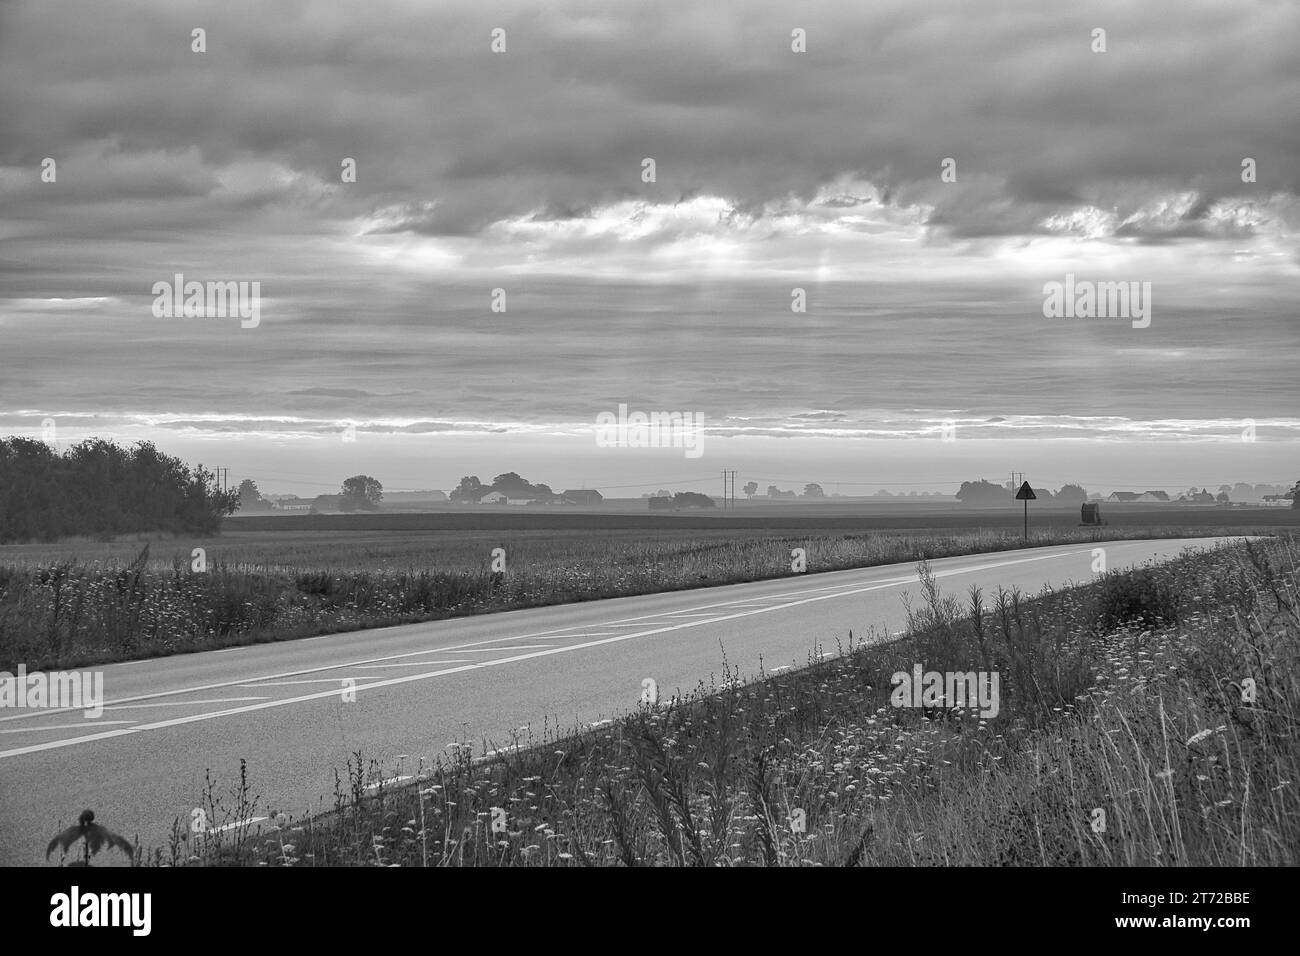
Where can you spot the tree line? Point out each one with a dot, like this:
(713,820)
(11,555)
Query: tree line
(100,489)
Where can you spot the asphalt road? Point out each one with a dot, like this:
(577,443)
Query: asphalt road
(419,688)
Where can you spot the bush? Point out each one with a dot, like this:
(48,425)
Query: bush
(1142,597)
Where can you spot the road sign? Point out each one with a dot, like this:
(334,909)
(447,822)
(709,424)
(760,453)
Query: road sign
(1026,494)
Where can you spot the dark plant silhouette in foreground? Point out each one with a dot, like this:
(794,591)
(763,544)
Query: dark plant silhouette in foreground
(94,837)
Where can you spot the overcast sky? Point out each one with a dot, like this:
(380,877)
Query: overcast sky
(775,169)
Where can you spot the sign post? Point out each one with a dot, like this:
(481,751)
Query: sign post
(1026,494)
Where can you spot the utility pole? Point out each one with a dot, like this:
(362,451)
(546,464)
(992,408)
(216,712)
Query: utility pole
(728,490)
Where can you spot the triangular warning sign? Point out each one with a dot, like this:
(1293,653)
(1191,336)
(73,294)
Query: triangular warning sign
(1025,493)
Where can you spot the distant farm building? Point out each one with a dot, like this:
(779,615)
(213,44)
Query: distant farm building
(493,498)
(291,503)
(1154,496)
(1124,496)
(583,496)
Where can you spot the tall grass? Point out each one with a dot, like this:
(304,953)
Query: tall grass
(1124,697)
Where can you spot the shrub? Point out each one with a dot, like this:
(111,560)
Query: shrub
(1143,597)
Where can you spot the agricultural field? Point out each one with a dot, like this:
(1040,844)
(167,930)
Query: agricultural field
(1124,737)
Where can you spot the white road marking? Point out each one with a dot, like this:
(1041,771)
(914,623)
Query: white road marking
(514,647)
(546,652)
(285,683)
(182,703)
(364,667)
(238,823)
(38,729)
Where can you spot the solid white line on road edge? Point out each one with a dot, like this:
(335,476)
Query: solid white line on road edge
(394,681)
(36,729)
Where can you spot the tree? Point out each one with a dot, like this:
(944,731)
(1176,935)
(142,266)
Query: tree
(361,493)
(1295,495)
(981,493)
(812,490)
(100,489)
(469,489)
(1223,498)
(250,499)
(1071,495)
(513,486)
(750,489)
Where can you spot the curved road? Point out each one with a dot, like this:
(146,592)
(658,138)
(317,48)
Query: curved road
(420,687)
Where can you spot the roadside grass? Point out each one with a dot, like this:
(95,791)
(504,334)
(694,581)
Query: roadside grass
(1128,734)
(70,613)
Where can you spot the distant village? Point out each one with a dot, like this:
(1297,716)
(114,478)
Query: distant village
(362,493)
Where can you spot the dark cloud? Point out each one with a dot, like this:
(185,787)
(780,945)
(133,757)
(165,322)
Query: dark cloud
(451,138)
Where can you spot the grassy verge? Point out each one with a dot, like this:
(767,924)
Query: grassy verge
(69,613)
(1128,733)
